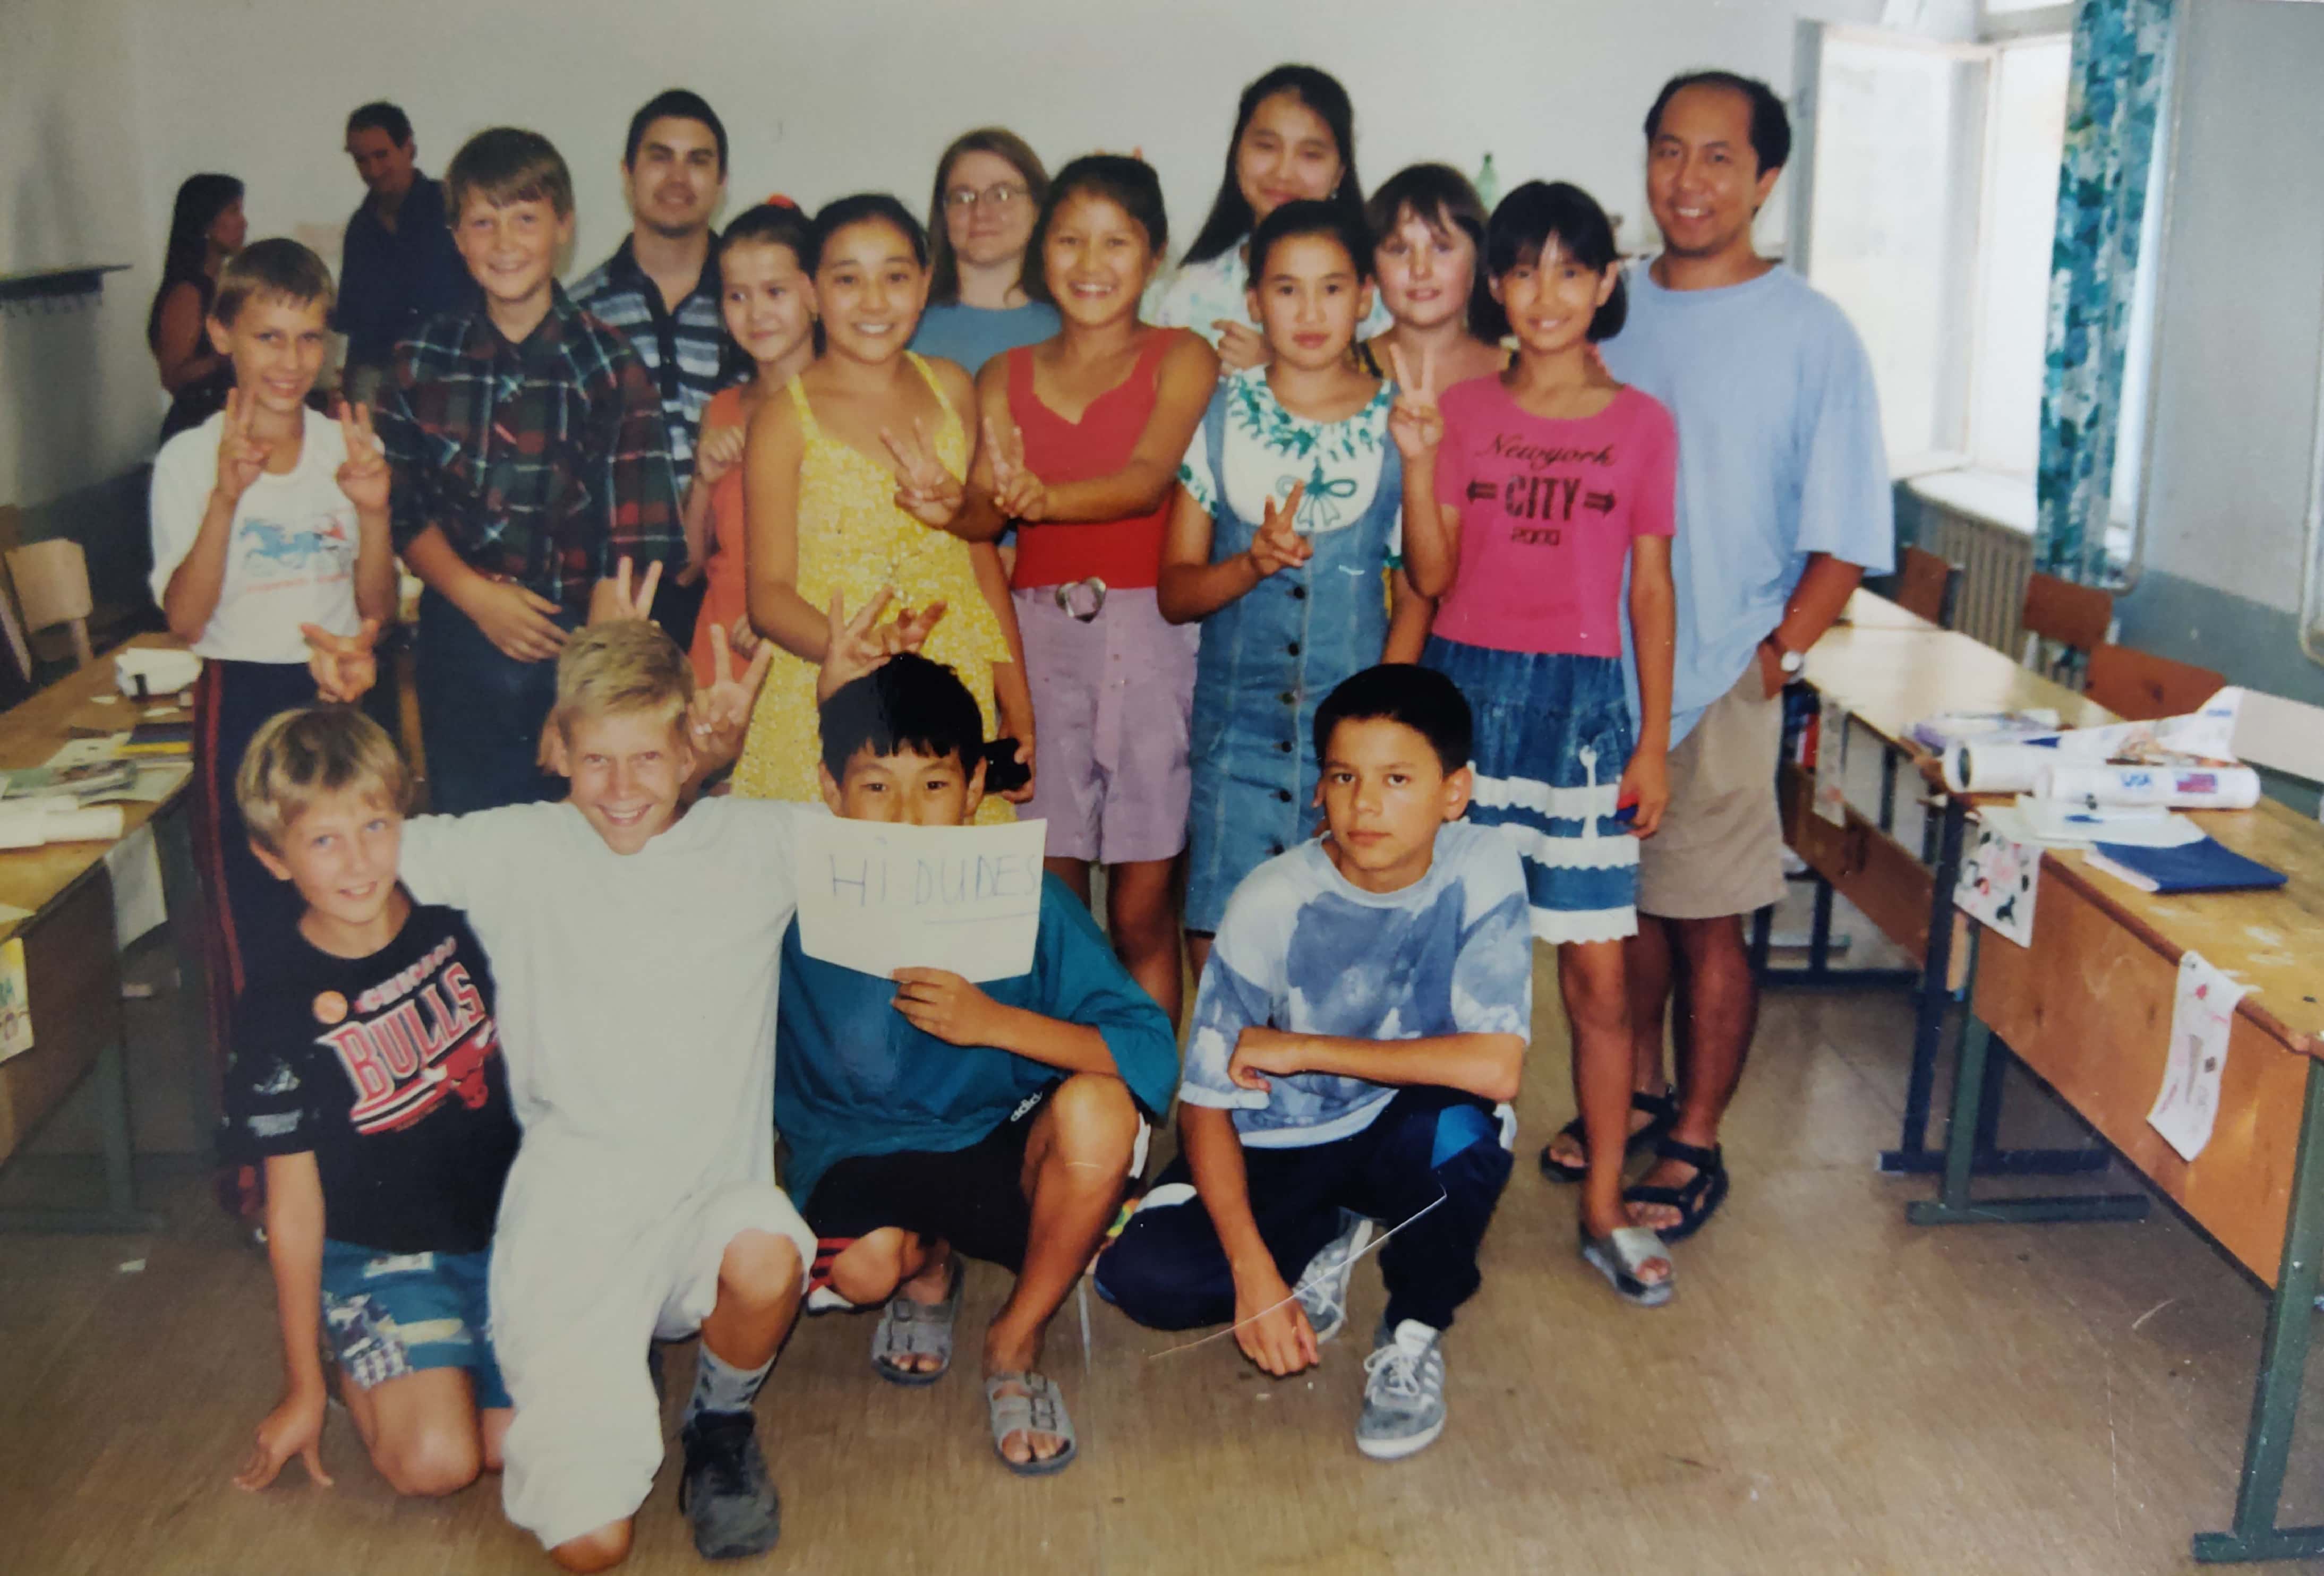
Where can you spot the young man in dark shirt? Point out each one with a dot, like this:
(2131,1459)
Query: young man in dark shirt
(398,267)
(368,1075)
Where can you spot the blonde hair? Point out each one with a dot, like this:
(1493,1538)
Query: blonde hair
(626,666)
(277,269)
(302,754)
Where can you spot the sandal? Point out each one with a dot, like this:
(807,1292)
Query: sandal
(1662,1111)
(910,1329)
(1620,1254)
(1696,1199)
(1041,1410)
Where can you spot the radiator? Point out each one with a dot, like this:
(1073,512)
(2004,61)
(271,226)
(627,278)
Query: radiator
(1995,562)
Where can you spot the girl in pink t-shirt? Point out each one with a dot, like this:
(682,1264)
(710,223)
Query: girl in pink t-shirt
(1527,498)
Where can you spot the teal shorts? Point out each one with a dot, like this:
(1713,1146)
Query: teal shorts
(388,1314)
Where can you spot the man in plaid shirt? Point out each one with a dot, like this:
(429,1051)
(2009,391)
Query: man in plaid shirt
(529,457)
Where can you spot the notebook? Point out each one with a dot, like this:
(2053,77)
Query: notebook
(2205,866)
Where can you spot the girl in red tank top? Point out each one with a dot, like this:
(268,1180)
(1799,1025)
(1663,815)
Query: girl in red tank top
(1084,433)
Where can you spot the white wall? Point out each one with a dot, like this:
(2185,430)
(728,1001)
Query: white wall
(77,397)
(2243,303)
(837,97)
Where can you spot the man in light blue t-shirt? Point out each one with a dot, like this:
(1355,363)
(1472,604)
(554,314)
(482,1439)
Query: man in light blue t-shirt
(1783,506)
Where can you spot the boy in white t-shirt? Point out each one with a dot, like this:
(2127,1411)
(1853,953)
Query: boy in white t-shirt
(266,518)
(633,940)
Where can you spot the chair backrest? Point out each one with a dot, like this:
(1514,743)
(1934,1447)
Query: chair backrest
(52,582)
(1926,584)
(2139,686)
(2075,616)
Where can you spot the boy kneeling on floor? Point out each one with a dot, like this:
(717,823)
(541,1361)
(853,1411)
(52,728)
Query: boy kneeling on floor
(925,1117)
(1364,1012)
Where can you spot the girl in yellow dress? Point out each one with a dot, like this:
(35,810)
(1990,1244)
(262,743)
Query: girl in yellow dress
(826,516)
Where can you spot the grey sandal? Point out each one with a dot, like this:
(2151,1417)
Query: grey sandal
(1620,1254)
(910,1329)
(1041,1410)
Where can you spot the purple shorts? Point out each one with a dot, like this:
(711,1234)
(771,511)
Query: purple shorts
(1112,700)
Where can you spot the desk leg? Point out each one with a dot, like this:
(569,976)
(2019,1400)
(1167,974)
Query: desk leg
(2284,1359)
(181,896)
(1913,1155)
(1953,1206)
(109,1086)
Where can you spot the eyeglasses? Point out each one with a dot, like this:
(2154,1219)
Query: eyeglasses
(1002,197)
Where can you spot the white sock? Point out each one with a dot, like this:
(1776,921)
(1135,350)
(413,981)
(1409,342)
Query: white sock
(720,1387)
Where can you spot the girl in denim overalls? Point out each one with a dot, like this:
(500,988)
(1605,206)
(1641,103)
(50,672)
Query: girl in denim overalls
(1287,513)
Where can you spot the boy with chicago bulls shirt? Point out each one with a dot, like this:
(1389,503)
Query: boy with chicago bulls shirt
(367,1074)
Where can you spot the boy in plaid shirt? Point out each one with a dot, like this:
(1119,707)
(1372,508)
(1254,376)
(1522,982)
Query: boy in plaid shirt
(529,456)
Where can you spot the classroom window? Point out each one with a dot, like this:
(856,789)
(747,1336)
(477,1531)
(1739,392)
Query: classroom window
(1928,210)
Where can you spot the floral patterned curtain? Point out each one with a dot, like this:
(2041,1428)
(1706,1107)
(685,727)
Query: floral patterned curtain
(2112,102)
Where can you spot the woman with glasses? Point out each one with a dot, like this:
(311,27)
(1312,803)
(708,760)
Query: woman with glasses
(989,188)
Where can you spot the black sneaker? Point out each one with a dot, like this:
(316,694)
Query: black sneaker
(725,1492)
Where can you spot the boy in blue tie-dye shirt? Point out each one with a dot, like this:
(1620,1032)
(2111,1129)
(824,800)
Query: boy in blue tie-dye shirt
(1361,1027)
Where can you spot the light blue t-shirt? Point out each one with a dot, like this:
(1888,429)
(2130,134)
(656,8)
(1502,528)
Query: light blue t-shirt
(972,336)
(1303,950)
(1779,455)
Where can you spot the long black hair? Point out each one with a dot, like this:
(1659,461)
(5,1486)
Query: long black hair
(1540,211)
(200,199)
(1230,215)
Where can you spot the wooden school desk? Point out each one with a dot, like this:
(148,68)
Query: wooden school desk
(72,962)
(2087,1007)
(1892,669)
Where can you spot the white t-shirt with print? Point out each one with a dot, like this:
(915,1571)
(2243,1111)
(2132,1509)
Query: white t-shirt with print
(291,559)
(1267,449)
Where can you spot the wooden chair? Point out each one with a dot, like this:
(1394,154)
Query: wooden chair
(51,580)
(1927,584)
(2077,618)
(2139,686)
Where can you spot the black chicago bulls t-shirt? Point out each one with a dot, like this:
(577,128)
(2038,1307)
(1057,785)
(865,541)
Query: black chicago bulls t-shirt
(388,1068)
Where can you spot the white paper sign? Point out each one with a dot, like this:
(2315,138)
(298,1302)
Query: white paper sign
(2200,1018)
(879,898)
(1998,881)
(1831,763)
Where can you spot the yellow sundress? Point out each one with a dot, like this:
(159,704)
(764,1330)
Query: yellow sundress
(853,539)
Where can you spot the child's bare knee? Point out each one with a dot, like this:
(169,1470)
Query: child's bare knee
(761,1267)
(601,1550)
(1095,1122)
(874,1264)
(429,1461)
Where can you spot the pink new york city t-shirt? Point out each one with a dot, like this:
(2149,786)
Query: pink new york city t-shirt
(1547,513)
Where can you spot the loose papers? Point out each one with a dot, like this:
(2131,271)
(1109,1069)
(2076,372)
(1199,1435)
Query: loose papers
(2201,1015)
(877,898)
(1998,881)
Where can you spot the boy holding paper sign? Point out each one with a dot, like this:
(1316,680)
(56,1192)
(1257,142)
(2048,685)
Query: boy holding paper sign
(925,1117)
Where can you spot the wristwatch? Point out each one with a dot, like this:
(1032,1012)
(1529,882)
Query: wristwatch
(1787,662)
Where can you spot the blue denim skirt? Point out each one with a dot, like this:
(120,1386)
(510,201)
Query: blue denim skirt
(1554,736)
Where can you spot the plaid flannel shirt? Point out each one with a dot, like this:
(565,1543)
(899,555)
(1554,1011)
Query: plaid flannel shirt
(543,463)
(687,351)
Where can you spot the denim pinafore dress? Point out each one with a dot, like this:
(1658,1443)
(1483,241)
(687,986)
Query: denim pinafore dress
(1268,658)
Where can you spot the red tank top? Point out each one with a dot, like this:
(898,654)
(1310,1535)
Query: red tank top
(1123,553)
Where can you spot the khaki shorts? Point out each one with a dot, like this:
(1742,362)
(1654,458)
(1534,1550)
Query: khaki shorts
(1720,847)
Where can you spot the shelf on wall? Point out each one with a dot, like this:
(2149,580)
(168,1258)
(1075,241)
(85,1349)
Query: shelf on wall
(43,284)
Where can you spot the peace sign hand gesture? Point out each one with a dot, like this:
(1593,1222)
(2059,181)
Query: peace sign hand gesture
(1278,545)
(1415,420)
(1017,491)
(364,478)
(930,493)
(614,598)
(720,713)
(858,645)
(242,457)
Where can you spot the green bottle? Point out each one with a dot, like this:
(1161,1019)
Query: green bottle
(1488,185)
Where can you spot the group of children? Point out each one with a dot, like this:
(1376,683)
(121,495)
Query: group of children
(1355,556)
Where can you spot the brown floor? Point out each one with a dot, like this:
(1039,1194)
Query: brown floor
(1832,1391)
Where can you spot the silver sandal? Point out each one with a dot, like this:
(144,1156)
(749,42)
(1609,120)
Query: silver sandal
(1041,1410)
(1620,1254)
(910,1329)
